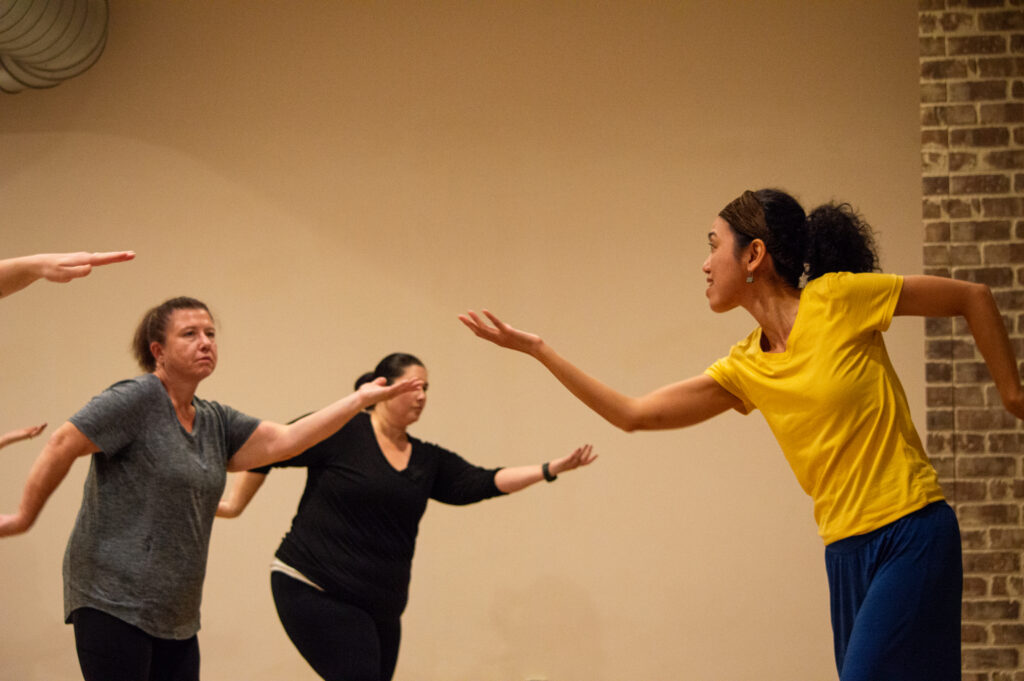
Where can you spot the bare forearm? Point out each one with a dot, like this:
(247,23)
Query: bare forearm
(273,442)
(510,480)
(17,273)
(993,342)
(240,494)
(611,405)
(46,474)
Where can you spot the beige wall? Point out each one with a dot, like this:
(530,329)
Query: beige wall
(340,179)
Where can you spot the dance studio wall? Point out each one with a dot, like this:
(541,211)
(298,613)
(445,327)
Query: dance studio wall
(340,179)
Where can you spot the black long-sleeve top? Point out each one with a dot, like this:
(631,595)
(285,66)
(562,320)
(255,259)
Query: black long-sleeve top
(354,533)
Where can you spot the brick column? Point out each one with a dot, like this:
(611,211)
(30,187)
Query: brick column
(972,143)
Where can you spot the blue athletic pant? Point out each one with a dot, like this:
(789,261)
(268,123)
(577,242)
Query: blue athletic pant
(110,649)
(339,641)
(895,596)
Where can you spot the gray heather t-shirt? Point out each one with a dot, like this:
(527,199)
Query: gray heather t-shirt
(139,546)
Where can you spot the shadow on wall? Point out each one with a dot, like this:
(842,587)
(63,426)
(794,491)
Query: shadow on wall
(45,42)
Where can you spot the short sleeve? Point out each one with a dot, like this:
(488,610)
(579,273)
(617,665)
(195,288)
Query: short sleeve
(723,374)
(238,427)
(867,300)
(113,419)
(319,453)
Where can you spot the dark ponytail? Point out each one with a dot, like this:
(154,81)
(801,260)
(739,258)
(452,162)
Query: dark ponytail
(839,241)
(391,367)
(833,238)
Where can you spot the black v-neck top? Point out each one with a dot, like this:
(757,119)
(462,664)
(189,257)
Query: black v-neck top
(354,533)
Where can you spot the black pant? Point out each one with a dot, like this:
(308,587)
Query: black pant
(110,649)
(339,641)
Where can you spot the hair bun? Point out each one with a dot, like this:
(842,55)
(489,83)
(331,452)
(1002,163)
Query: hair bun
(365,378)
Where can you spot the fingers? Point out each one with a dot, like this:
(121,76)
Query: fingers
(63,267)
(110,257)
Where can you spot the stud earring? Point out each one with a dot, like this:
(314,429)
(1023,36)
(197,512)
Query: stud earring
(750,278)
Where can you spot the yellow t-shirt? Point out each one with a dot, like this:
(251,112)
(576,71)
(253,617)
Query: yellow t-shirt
(836,406)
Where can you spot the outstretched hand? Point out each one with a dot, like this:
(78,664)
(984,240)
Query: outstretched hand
(582,456)
(21,434)
(63,267)
(500,333)
(378,390)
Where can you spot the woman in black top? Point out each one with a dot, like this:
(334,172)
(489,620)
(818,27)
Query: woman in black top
(340,578)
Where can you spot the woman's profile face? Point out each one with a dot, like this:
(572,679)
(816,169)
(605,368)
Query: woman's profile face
(723,271)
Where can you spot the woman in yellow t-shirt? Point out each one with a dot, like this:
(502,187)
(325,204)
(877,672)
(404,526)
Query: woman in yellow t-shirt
(817,369)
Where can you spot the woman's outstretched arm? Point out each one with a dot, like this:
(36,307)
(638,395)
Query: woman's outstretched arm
(17,273)
(928,296)
(677,405)
(65,445)
(513,479)
(20,434)
(272,442)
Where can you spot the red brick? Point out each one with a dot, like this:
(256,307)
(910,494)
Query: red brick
(932,186)
(973,633)
(1001,113)
(945,69)
(975,539)
(956,21)
(960,208)
(935,138)
(933,162)
(995,277)
(935,92)
(980,137)
(980,184)
(931,210)
(976,44)
(980,230)
(959,161)
(986,515)
(938,326)
(968,443)
(1004,443)
(987,466)
(932,46)
(1001,21)
(1004,159)
(995,610)
(975,90)
(996,67)
(991,562)
(990,658)
(1008,634)
(1007,585)
(938,372)
(962,491)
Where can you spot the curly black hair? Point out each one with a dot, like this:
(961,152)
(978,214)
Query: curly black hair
(839,241)
(833,238)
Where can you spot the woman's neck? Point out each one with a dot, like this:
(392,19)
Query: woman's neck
(775,308)
(388,430)
(181,394)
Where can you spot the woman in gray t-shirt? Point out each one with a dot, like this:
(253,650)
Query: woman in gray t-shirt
(134,565)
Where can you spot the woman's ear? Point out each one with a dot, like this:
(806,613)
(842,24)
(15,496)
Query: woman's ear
(757,253)
(156,350)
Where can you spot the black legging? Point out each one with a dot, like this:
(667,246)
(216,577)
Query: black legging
(110,649)
(340,641)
